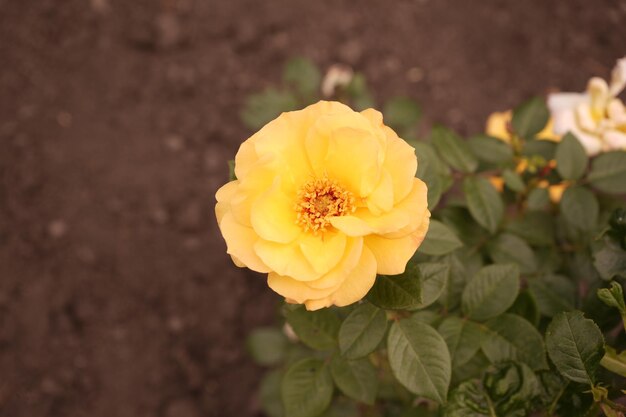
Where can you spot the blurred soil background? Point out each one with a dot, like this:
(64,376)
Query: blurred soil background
(116,119)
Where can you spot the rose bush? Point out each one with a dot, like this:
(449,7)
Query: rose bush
(325,198)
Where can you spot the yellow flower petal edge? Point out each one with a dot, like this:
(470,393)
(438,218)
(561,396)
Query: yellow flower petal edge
(497,126)
(325,198)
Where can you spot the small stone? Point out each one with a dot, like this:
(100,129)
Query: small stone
(57,229)
(415,74)
(100,6)
(64,119)
(175,324)
(159,215)
(174,142)
(168,30)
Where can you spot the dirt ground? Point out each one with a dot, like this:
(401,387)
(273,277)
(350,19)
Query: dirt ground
(116,118)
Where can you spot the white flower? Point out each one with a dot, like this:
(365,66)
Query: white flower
(597,117)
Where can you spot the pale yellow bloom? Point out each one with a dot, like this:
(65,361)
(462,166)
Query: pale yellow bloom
(325,198)
(597,117)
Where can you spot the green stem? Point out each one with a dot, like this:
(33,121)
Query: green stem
(613,364)
(554,403)
(614,405)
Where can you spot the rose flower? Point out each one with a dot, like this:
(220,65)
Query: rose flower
(325,198)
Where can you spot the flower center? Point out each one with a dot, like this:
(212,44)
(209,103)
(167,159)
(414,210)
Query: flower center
(318,201)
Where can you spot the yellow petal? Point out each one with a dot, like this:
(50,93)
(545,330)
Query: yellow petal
(295,290)
(598,91)
(323,251)
(273,216)
(223,197)
(556,192)
(351,225)
(355,286)
(497,182)
(331,144)
(548,132)
(249,190)
(401,164)
(392,255)
(618,77)
(381,199)
(403,216)
(240,241)
(497,125)
(350,257)
(280,144)
(285,259)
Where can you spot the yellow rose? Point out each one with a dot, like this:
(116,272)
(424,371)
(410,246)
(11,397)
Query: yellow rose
(325,198)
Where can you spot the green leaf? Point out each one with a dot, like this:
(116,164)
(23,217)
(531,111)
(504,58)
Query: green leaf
(433,278)
(491,292)
(525,306)
(454,150)
(613,297)
(439,240)
(513,180)
(530,117)
(608,172)
(304,76)
(401,113)
(538,199)
(474,368)
(267,345)
(462,337)
(463,265)
(509,390)
(484,202)
(317,329)
(513,388)
(419,359)
(571,158)
(508,248)
(397,292)
(342,407)
(580,208)
(263,107)
(610,260)
(307,388)
(269,394)
(545,149)
(362,331)
(359,93)
(355,378)
(490,149)
(469,400)
(231,170)
(461,222)
(535,227)
(575,345)
(432,170)
(553,293)
(510,337)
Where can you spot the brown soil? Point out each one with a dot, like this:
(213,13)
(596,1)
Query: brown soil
(116,117)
